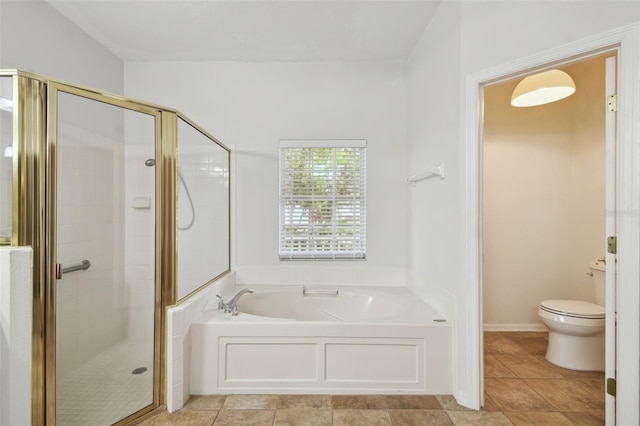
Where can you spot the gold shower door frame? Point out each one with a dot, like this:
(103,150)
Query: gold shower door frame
(34,223)
(165,147)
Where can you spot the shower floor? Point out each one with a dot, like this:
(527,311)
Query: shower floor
(104,390)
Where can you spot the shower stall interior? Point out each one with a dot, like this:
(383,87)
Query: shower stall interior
(126,207)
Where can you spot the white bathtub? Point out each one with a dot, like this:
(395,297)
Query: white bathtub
(333,304)
(349,340)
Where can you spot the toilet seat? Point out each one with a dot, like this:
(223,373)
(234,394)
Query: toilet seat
(573,308)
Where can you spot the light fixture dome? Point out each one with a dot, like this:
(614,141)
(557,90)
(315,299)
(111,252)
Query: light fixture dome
(543,88)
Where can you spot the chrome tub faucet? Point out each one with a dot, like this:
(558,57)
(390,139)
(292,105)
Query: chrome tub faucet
(232,305)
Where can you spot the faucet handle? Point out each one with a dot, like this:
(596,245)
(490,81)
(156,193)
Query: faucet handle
(235,310)
(220,301)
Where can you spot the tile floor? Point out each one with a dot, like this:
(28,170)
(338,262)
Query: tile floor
(104,390)
(521,389)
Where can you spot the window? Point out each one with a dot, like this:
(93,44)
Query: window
(322,199)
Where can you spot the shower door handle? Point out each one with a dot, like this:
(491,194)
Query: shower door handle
(82,266)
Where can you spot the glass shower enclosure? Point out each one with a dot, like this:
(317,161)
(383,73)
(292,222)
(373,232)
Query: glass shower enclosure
(92,184)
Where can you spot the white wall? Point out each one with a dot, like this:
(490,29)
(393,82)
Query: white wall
(474,37)
(251,106)
(16,295)
(35,37)
(543,206)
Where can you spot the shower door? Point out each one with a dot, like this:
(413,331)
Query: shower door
(104,310)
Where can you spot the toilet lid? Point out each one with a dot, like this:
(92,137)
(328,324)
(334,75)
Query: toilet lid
(574,308)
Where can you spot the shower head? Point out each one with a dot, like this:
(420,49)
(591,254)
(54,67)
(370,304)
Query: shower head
(150,162)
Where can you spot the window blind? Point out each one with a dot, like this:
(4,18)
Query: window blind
(322,199)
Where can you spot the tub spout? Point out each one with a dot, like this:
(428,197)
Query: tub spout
(232,305)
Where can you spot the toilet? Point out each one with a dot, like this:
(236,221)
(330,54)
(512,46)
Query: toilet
(576,328)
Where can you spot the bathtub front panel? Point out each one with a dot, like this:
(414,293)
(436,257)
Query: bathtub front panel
(303,357)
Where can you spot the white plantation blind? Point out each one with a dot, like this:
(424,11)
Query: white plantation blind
(322,199)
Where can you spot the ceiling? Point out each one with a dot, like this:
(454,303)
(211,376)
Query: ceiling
(287,31)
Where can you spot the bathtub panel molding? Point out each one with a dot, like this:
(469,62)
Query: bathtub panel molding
(371,358)
(246,361)
(281,363)
(366,364)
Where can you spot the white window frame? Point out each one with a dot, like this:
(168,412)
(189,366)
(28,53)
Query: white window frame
(286,252)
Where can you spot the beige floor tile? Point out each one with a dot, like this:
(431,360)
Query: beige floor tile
(186,418)
(495,369)
(567,394)
(151,420)
(495,342)
(449,403)
(515,395)
(204,402)
(534,345)
(304,401)
(527,366)
(595,386)
(419,417)
(582,418)
(490,404)
(245,418)
(358,402)
(303,417)
(572,374)
(250,402)
(469,418)
(412,402)
(361,418)
(537,418)
(517,335)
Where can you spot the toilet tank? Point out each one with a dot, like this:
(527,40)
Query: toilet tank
(598,274)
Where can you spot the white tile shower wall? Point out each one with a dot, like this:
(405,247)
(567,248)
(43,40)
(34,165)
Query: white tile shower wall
(203,252)
(179,320)
(6,171)
(16,296)
(90,227)
(140,240)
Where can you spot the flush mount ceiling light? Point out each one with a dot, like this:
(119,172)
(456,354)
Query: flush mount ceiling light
(543,88)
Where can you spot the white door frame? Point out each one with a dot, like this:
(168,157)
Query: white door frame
(626,41)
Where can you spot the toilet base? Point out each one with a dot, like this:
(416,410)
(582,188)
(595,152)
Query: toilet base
(584,353)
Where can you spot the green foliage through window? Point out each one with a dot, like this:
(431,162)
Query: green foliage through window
(322,201)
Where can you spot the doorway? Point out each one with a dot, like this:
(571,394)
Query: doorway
(102,359)
(543,210)
(625,41)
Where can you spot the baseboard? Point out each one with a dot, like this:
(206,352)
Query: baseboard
(514,327)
